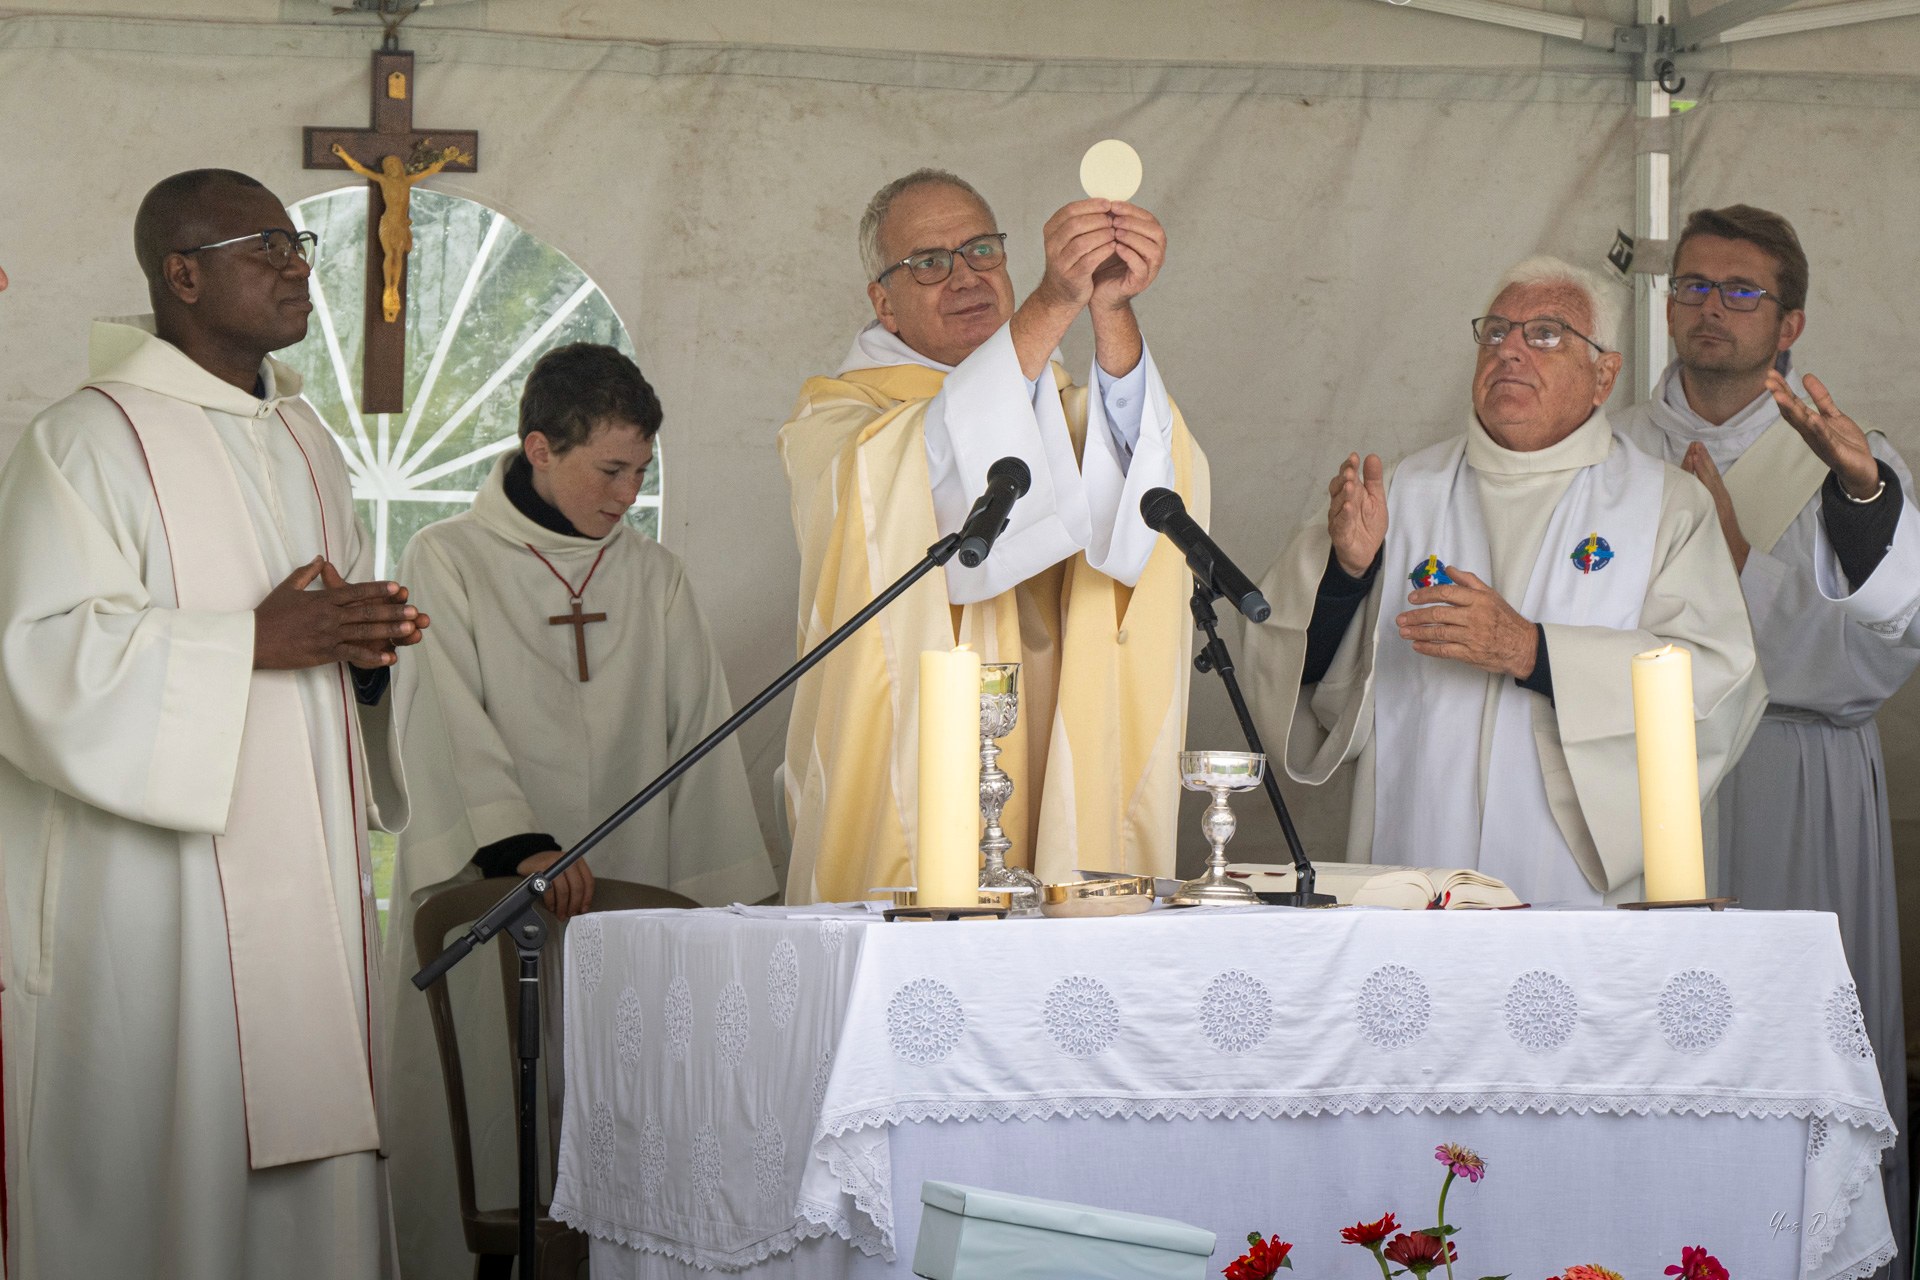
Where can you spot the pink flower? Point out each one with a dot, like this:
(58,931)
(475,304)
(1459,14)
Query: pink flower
(1697,1264)
(1460,1161)
(1589,1272)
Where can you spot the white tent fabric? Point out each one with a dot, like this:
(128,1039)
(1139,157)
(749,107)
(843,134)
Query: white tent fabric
(1332,226)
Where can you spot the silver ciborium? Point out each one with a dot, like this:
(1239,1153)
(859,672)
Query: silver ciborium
(1220,772)
(999,712)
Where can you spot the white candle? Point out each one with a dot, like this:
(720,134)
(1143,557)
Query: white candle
(1669,775)
(947,865)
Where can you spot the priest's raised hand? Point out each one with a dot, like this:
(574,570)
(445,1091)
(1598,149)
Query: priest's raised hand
(297,627)
(1834,437)
(1357,513)
(1699,464)
(1101,255)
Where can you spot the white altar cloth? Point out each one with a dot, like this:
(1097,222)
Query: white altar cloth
(741,1082)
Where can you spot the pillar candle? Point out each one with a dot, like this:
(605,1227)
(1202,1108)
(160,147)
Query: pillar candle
(947,865)
(1669,775)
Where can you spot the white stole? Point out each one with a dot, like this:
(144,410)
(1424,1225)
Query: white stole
(305,1070)
(1771,478)
(1428,712)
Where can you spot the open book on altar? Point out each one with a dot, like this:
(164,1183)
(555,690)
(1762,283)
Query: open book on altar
(1366,884)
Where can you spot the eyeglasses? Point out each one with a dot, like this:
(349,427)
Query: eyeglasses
(281,246)
(1692,291)
(933,266)
(1540,333)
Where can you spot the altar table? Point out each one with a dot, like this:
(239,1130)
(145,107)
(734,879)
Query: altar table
(763,1089)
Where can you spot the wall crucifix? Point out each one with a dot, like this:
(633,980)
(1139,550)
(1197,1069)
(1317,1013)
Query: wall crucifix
(393,156)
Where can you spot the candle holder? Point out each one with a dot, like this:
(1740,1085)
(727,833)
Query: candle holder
(999,712)
(1222,773)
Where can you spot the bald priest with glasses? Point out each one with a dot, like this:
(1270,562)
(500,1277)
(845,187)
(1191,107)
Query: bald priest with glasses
(194,738)
(1464,626)
(885,455)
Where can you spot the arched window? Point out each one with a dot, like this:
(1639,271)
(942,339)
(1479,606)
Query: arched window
(484,301)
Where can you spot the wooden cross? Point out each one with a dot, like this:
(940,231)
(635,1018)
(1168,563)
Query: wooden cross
(578,621)
(383,378)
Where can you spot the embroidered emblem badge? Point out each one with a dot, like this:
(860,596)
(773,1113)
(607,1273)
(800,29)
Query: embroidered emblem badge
(1592,554)
(1430,572)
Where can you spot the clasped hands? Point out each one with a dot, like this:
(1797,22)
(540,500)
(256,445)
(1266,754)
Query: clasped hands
(1466,621)
(362,623)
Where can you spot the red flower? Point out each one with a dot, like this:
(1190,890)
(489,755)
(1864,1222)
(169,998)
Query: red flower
(1697,1264)
(1374,1232)
(1420,1253)
(1261,1260)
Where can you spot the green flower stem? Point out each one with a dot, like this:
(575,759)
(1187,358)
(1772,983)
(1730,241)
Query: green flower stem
(1380,1257)
(1445,1253)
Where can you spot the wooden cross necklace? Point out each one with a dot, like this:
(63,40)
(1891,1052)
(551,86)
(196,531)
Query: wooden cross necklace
(577,620)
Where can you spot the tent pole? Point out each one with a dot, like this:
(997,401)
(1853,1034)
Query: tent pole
(1652,217)
(1503,15)
(1691,33)
(1836,15)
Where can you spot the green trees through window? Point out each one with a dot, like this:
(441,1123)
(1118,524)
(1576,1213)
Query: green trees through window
(484,301)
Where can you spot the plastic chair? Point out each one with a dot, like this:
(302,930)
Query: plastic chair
(493,1234)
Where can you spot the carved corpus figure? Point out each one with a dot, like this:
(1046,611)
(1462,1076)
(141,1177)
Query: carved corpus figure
(396,223)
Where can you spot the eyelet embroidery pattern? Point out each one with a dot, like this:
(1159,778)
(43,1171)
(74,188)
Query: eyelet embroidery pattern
(1393,1007)
(1542,1011)
(770,1161)
(1817,1136)
(1846,1025)
(589,952)
(600,1141)
(653,1159)
(730,1024)
(629,1026)
(1695,1010)
(679,1017)
(1236,1012)
(1081,1016)
(832,934)
(706,1165)
(924,1021)
(783,983)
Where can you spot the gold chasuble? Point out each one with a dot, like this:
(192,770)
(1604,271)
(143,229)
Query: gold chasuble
(1103,686)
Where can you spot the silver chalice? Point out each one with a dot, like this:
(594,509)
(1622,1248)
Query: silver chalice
(999,712)
(1222,773)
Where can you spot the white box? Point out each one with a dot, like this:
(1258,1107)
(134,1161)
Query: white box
(970,1234)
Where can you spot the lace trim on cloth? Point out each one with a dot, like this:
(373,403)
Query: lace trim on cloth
(1867,1266)
(864,1172)
(703,1259)
(1818,1243)
(1234,1107)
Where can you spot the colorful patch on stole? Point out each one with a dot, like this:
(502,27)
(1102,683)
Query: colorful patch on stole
(1430,572)
(1592,554)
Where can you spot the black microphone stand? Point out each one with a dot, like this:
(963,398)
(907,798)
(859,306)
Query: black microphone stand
(1214,657)
(515,912)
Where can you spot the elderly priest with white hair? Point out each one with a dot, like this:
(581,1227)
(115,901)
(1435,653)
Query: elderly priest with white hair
(885,455)
(1465,626)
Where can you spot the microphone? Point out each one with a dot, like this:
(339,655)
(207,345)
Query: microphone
(1165,513)
(1007,480)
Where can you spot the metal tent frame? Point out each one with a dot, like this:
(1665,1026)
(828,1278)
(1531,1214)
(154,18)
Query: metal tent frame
(1651,48)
